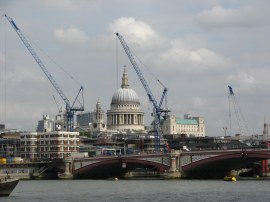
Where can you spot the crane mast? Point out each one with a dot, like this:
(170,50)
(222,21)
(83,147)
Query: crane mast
(158,110)
(70,109)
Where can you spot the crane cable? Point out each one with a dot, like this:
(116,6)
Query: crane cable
(146,67)
(243,127)
(53,61)
(166,101)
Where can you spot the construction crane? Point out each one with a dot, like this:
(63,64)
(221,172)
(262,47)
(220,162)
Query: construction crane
(243,128)
(70,108)
(158,111)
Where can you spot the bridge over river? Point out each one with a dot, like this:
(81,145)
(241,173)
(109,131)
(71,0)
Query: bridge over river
(194,164)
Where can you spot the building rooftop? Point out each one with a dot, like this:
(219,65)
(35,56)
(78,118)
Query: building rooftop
(187,121)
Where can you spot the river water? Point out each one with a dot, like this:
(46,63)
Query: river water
(139,190)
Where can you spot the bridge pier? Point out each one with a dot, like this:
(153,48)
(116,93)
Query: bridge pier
(175,169)
(264,168)
(68,165)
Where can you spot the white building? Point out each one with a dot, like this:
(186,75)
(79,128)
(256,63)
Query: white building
(189,126)
(125,113)
(48,125)
(45,125)
(57,144)
(98,124)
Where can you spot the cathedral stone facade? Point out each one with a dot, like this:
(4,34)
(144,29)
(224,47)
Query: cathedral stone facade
(125,113)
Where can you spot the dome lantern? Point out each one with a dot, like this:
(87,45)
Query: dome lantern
(125,79)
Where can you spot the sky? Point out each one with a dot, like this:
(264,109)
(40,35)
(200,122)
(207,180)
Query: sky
(195,48)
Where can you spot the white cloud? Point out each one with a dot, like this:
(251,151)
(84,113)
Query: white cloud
(219,16)
(190,54)
(242,79)
(135,30)
(71,36)
(193,61)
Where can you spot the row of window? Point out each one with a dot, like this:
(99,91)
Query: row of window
(52,142)
(49,136)
(48,149)
(51,155)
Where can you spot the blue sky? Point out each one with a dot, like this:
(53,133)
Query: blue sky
(196,48)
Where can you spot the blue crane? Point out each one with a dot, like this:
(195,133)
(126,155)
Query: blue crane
(159,110)
(70,108)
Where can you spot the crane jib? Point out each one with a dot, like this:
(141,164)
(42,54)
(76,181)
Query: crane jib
(14,25)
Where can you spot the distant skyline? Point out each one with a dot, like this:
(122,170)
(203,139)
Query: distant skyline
(196,48)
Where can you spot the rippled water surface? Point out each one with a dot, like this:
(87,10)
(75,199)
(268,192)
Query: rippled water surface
(140,190)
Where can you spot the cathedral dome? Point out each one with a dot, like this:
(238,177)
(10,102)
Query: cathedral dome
(125,95)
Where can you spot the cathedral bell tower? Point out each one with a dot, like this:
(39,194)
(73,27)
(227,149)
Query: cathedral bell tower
(99,123)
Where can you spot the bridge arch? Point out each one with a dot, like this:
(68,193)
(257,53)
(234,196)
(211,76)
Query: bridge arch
(116,167)
(221,165)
